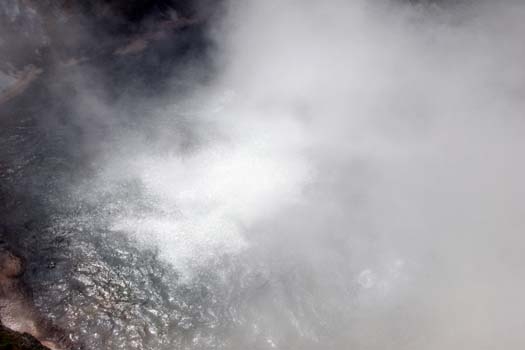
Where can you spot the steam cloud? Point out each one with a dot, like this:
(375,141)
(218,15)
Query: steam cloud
(366,154)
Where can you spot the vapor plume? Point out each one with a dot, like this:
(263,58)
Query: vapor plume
(368,155)
(351,173)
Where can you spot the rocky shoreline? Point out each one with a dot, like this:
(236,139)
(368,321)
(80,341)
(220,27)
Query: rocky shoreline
(21,324)
(11,340)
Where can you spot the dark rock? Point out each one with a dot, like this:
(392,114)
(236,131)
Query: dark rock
(11,340)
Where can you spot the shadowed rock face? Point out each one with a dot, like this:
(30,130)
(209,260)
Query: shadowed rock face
(11,340)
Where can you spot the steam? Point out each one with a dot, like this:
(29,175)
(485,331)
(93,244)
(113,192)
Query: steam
(371,148)
(208,198)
